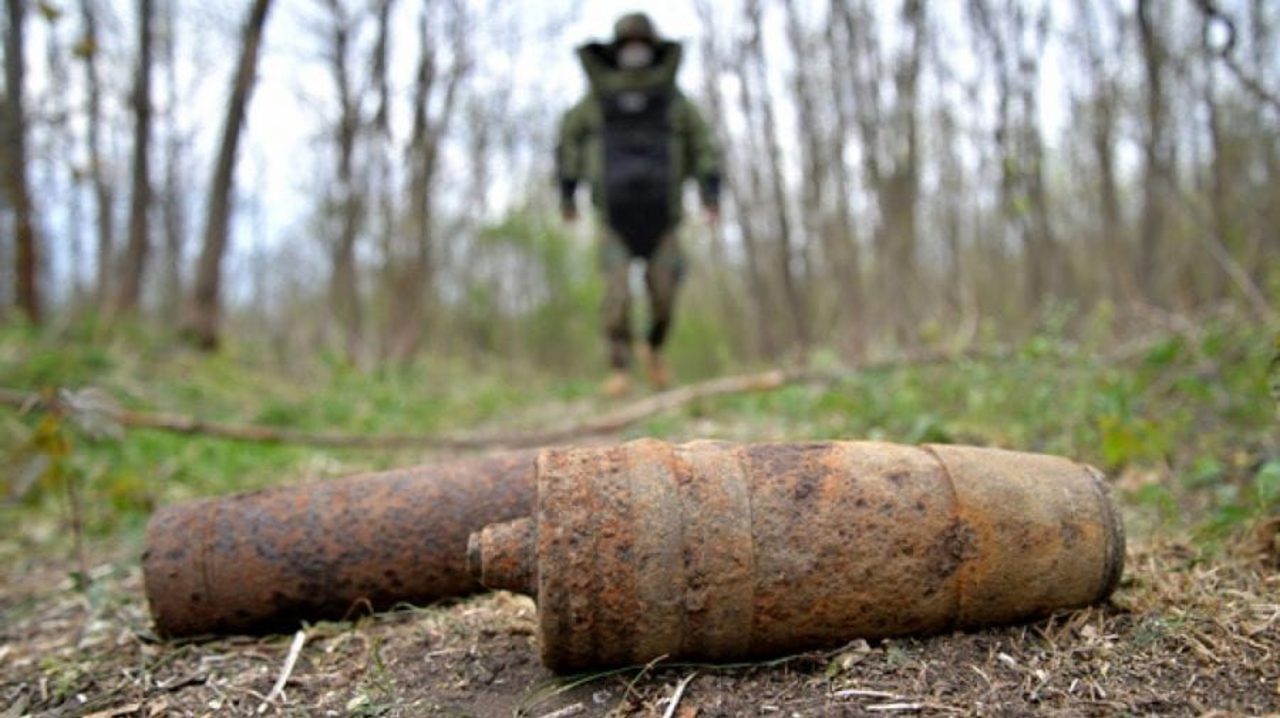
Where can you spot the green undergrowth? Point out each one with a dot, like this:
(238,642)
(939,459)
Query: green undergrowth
(1186,426)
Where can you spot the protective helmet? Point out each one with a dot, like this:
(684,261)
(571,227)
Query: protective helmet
(634,26)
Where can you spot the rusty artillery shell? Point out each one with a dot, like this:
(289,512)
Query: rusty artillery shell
(268,560)
(717,551)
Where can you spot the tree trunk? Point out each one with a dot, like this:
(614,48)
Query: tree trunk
(382,194)
(1102,138)
(790,257)
(900,192)
(1267,212)
(343,290)
(409,274)
(951,187)
(1024,201)
(412,281)
(204,314)
(26,258)
(1157,177)
(748,203)
(760,334)
(174,203)
(890,137)
(135,258)
(1040,245)
(846,262)
(62,145)
(378,65)
(102,196)
(816,161)
(1226,241)
(174,219)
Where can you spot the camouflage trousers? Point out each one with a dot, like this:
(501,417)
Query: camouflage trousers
(663,271)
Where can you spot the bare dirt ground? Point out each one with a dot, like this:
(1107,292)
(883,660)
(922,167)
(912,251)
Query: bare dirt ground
(1187,634)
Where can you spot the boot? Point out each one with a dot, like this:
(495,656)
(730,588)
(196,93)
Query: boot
(656,367)
(616,385)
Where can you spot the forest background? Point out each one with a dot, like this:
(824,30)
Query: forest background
(1037,225)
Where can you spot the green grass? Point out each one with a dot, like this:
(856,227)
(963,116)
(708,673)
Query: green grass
(1187,426)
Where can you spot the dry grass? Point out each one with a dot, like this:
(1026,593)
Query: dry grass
(1187,634)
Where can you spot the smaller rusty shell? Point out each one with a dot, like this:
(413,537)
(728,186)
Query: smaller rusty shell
(268,560)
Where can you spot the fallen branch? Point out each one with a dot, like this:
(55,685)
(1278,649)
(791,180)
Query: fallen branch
(106,410)
(100,412)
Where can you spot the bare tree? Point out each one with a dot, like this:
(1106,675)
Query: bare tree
(14,157)
(1043,265)
(1101,112)
(742,191)
(790,258)
(1015,42)
(901,191)
(1263,241)
(139,245)
(60,147)
(88,50)
(888,124)
(348,202)
(1156,153)
(382,215)
(1227,238)
(205,312)
(378,63)
(816,160)
(729,300)
(751,203)
(173,203)
(412,276)
(843,238)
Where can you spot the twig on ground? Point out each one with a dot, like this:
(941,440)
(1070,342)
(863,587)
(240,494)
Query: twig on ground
(567,711)
(630,687)
(858,693)
(912,707)
(123,710)
(678,694)
(290,660)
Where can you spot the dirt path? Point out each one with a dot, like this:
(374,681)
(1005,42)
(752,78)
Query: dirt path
(1182,637)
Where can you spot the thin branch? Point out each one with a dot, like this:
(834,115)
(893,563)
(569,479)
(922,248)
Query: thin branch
(1226,53)
(93,407)
(607,423)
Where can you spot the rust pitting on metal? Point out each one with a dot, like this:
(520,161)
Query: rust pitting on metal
(267,560)
(955,546)
(719,551)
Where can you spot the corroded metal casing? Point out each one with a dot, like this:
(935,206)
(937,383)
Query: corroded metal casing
(268,560)
(717,551)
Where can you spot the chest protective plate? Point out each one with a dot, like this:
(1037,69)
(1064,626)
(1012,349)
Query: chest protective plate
(637,166)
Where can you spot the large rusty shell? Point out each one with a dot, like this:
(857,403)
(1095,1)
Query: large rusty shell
(268,560)
(717,551)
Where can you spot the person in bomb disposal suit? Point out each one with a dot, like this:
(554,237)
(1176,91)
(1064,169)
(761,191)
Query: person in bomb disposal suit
(633,140)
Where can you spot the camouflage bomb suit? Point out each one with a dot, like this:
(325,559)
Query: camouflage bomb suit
(634,139)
